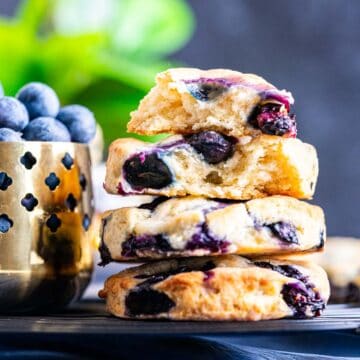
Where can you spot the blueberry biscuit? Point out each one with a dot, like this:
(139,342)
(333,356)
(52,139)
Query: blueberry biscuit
(196,226)
(191,100)
(227,287)
(213,165)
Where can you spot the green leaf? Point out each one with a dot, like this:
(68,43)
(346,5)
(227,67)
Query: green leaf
(77,17)
(136,28)
(152,28)
(17,51)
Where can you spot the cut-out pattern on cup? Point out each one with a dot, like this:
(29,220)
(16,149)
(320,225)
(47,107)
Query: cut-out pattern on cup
(71,202)
(52,181)
(83,182)
(53,223)
(67,161)
(28,160)
(5,223)
(29,202)
(86,222)
(5,181)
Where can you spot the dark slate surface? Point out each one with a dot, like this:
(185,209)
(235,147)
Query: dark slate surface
(90,317)
(87,332)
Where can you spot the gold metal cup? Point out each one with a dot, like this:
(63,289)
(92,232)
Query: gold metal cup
(46,257)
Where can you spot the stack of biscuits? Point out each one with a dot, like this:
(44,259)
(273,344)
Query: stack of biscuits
(226,217)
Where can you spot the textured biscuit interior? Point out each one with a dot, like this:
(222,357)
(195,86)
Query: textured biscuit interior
(170,108)
(263,166)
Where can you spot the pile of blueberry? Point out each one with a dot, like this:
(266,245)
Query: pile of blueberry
(35,115)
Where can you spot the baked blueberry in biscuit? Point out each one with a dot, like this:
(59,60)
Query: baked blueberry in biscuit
(211,164)
(227,287)
(196,226)
(187,100)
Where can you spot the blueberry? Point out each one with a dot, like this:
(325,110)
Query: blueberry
(271,119)
(39,100)
(214,146)
(156,243)
(284,231)
(143,300)
(155,278)
(300,296)
(147,171)
(286,270)
(204,240)
(302,299)
(46,129)
(9,135)
(13,114)
(146,301)
(154,204)
(207,89)
(80,122)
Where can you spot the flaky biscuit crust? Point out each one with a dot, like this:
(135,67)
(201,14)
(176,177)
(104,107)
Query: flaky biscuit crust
(235,289)
(243,226)
(170,108)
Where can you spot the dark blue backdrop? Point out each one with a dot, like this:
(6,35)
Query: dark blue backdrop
(311,47)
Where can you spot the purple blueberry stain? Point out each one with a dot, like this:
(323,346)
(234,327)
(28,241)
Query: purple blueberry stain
(154,278)
(203,239)
(208,275)
(158,243)
(147,170)
(278,96)
(135,244)
(207,89)
(5,223)
(144,300)
(52,181)
(213,146)
(272,116)
(29,202)
(28,160)
(5,181)
(120,189)
(284,231)
(272,119)
(300,296)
